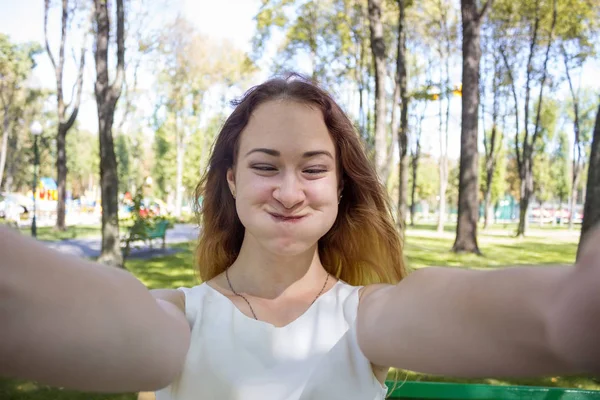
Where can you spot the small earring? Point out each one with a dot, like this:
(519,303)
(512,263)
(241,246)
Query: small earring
(233,194)
(340,199)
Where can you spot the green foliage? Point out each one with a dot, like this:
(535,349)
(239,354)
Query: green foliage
(559,168)
(548,121)
(16,63)
(498,184)
(428,180)
(164,168)
(141,224)
(83,162)
(122,153)
(588,104)
(452,189)
(542,178)
(196,157)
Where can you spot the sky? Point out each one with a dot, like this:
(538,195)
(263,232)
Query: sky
(23,21)
(233,20)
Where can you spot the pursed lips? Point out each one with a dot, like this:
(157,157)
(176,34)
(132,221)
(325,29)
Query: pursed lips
(287,218)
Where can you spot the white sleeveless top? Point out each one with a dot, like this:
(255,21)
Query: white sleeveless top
(235,357)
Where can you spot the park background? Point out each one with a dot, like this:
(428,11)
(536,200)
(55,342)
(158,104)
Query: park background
(481,117)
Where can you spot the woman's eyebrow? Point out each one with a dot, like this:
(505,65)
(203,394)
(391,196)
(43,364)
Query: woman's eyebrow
(314,153)
(270,152)
(276,153)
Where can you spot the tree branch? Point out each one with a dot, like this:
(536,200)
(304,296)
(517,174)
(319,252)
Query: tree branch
(536,132)
(577,148)
(115,88)
(61,58)
(483,10)
(46,8)
(79,82)
(515,98)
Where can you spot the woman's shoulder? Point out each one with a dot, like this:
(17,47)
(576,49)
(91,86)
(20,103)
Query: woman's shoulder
(368,290)
(180,296)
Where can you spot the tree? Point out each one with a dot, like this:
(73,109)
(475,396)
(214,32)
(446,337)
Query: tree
(379,61)
(559,170)
(540,17)
(27,106)
(575,48)
(414,161)
(580,110)
(193,65)
(542,184)
(493,139)
(401,82)
(165,155)
(16,64)
(65,119)
(468,204)
(107,95)
(83,162)
(591,210)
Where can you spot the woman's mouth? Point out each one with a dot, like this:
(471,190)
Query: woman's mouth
(288,219)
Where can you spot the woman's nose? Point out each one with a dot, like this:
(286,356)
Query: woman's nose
(289,192)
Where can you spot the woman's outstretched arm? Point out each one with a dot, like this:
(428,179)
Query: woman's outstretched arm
(511,322)
(77,324)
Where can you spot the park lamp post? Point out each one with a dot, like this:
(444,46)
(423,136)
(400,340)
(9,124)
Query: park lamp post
(36,130)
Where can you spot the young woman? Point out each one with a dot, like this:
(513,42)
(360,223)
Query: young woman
(303,294)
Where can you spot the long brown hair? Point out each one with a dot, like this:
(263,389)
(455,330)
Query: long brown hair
(362,246)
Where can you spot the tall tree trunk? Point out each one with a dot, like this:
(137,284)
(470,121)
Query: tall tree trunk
(415,166)
(443,126)
(61,176)
(576,173)
(577,152)
(526,174)
(379,60)
(107,96)
(526,170)
(468,190)
(442,169)
(403,131)
(491,148)
(591,211)
(64,123)
(179,175)
(413,190)
(4,149)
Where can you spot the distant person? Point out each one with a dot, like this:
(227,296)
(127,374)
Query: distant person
(304,296)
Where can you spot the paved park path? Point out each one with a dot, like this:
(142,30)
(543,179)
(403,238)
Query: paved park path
(90,247)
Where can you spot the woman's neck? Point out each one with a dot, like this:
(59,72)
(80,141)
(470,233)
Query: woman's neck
(263,274)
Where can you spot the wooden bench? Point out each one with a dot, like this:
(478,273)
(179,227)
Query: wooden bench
(457,391)
(155,231)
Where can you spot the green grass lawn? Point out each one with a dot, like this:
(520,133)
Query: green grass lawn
(49,233)
(424,247)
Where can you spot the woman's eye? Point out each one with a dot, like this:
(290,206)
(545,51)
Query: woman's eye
(264,168)
(315,171)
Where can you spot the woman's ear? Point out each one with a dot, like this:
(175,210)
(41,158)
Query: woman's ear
(231,181)
(340,188)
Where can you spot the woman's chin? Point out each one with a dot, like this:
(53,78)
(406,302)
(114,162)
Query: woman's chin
(288,248)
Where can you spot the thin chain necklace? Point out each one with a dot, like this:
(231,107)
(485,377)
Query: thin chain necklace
(249,305)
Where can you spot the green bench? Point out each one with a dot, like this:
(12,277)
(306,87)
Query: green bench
(457,391)
(155,231)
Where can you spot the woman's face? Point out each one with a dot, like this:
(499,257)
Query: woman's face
(285,179)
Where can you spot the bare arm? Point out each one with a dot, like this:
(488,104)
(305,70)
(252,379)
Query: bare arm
(511,322)
(76,324)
